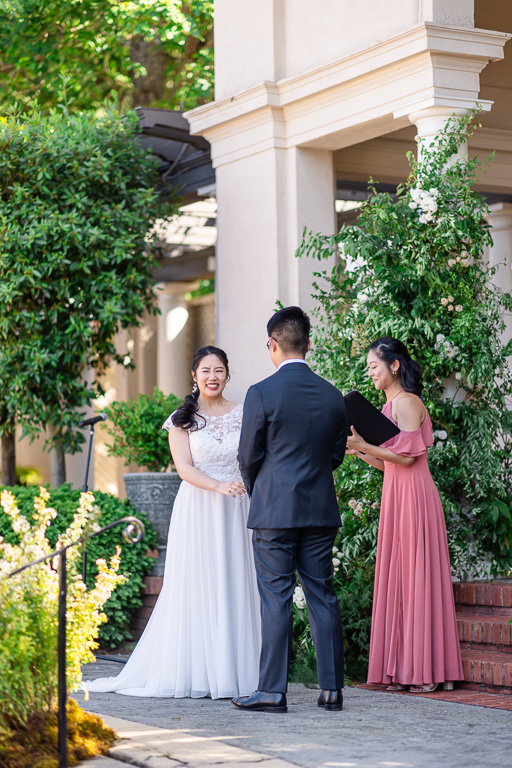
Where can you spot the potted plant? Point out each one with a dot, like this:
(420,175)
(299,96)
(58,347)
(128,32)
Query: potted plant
(137,438)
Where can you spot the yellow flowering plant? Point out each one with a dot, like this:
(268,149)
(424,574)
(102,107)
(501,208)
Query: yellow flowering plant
(29,608)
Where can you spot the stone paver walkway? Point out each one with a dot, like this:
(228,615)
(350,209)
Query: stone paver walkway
(375,729)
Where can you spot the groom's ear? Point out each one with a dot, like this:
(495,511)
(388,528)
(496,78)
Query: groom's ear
(309,345)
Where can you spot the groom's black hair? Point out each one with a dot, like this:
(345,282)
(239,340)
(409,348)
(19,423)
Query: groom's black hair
(290,327)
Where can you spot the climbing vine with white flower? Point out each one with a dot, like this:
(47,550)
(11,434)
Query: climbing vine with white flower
(415,268)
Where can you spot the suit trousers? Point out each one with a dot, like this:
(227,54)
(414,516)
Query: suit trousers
(278,555)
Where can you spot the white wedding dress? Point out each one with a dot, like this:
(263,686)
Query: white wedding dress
(203,637)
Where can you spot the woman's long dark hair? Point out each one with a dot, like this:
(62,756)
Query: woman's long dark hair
(410,373)
(186,416)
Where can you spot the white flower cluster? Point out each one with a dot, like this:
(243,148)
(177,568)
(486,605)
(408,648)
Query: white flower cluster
(441,436)
(298,597)
(426,202)
(448,303)
(465,260)
(444,345)
(358,506)
(336,558)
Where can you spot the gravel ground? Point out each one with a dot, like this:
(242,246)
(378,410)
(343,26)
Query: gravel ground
(374,729)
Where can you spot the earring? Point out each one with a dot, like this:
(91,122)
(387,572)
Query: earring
(195,388)
(394,373)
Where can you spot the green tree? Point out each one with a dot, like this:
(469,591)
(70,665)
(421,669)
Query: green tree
(77,201)
(82,52)
(415,268)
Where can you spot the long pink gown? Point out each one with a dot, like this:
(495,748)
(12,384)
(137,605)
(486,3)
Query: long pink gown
(414,638)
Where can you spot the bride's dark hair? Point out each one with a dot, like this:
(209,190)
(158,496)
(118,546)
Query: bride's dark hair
(410,373)
(186,415)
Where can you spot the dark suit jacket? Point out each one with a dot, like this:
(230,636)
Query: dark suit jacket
(293,436)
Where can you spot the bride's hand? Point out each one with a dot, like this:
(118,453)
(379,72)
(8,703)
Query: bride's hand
(234,489)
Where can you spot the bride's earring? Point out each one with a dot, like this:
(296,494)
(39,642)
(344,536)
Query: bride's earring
(195,388)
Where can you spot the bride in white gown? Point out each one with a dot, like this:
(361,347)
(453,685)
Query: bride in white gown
(203,637)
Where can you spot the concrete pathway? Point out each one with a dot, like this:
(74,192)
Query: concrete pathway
(375,729)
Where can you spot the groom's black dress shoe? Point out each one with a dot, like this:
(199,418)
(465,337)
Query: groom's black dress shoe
(331,700)
(260,701)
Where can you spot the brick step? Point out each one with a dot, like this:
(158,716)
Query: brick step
(152,585)
(487,670)
(149,601)
(484,609)
(138,625)
(144,612)
(487,629)
(492,594)
(150,591)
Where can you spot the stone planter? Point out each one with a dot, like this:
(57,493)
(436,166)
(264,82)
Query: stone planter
(154,494)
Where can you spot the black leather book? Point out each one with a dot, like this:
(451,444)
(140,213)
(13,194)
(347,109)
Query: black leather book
(367,420)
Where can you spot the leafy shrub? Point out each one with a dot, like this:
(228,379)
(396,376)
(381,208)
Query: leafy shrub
(414,268)
(28,476)
(136,431)
(29,607)
(134,560)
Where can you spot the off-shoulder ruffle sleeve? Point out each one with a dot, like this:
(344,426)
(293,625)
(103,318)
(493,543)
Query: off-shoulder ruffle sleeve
(168,423)
(410,443)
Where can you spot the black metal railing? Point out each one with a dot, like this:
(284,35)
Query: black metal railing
(133,532)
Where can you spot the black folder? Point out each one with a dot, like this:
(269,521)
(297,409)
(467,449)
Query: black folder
(367,420)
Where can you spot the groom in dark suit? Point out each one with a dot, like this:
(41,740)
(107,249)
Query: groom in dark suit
(293,436)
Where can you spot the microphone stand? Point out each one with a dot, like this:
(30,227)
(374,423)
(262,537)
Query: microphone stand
(91,436)
(84,489)
(89,422)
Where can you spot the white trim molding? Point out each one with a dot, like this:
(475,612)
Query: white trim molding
(359,97)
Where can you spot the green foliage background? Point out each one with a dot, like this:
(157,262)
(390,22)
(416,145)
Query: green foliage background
(77,201)
(418,272)
(82,53)
(133,430)
(135,562)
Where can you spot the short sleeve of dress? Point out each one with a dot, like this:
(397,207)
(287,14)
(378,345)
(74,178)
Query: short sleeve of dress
(168,423)
(410,443)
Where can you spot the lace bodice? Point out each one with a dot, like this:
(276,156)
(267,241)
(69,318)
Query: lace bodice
(214,447)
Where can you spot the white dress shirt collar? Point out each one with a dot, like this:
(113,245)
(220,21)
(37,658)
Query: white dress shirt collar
(291,360)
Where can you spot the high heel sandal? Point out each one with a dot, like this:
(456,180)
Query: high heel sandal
(397,687)
(431,687)
(426,688)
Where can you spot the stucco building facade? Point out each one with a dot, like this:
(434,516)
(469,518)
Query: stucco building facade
(311,100)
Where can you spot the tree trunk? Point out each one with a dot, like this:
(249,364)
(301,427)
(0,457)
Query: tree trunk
(9,459)
(151,88)
(58,465)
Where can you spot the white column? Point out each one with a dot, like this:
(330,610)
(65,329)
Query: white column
(311,195)
(264,202)
(173,367)
(500,255)
(430,122)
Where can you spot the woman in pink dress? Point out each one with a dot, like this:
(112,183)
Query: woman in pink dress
(414,640)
